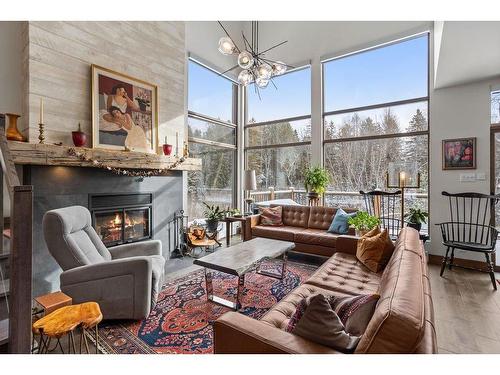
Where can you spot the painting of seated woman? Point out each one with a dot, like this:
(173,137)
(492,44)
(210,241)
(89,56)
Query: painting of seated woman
(125,114)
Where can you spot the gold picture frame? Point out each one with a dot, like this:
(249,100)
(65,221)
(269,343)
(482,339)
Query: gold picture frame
(124,112)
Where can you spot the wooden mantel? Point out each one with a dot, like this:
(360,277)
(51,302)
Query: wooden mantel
(45,154)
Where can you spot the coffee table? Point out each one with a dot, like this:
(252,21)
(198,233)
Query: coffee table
(238,260)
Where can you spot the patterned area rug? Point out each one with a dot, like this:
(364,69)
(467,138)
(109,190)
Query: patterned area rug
(181,322)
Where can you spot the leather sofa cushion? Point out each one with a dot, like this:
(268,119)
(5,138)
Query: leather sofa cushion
(399,320)
(284,233)
(344,274)
(295,216)
(322,217)
(279,316)
(316,237)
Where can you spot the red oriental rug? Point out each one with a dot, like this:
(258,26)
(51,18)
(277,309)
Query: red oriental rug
(181,322)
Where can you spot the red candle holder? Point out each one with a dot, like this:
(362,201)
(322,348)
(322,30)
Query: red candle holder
(167,149)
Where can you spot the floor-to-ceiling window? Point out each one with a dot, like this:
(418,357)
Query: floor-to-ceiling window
(278,130)
(375,105)
(212,118)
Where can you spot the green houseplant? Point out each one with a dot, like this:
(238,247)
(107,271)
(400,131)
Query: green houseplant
(316,180)
(416,217)
(213,214)
(363,222)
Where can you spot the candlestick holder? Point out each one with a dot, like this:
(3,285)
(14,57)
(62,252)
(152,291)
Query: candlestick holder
(403,176)
(41,136)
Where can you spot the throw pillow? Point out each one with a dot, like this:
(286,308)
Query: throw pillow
(297,315)
(339,224)
(321,324)
(375,251)
(355,312)
(272,216)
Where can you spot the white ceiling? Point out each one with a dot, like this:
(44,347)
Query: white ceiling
(466,51)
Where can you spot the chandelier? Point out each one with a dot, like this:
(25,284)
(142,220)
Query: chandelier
(256,67)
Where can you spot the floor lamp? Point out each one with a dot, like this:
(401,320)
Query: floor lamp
(249,184)
(403,176)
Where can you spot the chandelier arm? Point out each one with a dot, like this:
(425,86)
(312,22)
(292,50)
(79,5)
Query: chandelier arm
(271,79)
(273,47)
(229,36)
(249,46)
(276,62)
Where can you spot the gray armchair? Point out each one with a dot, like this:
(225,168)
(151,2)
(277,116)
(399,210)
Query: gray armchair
(124,280)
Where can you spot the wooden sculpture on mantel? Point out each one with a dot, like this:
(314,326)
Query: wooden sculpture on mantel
(41,127)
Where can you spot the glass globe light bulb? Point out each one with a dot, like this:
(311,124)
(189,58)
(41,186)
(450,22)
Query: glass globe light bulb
(226,46)
(264,71)
(279,68)
(262,82)
(245,60)
(245,77)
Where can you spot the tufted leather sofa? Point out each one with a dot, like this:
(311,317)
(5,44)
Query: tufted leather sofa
(305,226)
(403,321)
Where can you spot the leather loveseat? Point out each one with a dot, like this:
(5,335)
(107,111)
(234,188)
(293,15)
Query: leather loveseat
(305,226)
(403,321)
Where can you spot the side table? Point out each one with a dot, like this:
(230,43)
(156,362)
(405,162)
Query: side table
(50,302)
(229,220)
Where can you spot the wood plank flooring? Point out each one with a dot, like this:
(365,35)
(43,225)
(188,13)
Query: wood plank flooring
(466,310)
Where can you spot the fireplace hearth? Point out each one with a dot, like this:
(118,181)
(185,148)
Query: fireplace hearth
(122,218)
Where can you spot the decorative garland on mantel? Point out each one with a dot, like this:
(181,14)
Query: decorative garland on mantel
(123,171)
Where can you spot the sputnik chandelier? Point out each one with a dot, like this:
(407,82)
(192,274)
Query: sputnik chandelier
(256,67)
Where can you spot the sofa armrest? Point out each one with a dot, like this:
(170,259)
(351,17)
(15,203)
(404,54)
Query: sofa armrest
(137,249)
(347,244)
(250,222)
(236,333)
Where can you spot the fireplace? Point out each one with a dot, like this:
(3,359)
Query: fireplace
(122,218)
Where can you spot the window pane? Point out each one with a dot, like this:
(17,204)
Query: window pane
(281,167)
(210,131)
(291,98)
(209,93)
(495,107)
(382,75)
(279,133)
(214,183)
(391,120)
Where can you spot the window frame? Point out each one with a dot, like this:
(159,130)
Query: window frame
(233,125)
(275,121)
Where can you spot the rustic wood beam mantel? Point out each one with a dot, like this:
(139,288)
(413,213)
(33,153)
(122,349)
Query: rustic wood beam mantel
(45,154)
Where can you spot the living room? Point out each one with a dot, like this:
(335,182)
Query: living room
(246,184)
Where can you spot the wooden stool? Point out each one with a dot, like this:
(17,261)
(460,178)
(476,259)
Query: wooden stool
(63,321)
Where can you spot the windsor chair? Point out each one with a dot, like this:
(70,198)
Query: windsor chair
(387,207)
(470,228)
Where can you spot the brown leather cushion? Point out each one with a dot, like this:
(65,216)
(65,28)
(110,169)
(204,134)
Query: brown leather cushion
(374,249)
(295,216)
(345,274)
(399,321)
(284,233)
(280,314)
(316,237)
(321,217)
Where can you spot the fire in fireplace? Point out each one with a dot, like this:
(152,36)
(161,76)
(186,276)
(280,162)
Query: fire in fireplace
(122,218)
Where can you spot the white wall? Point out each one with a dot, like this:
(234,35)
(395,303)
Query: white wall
(458,111)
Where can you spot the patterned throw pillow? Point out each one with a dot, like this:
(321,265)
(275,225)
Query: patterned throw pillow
(355,312)
(272,216)
(374,251)
(297,315)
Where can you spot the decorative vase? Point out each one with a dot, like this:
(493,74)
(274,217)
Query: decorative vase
(167,149)
(416,226)
(79,137)
(312,195)
(12,132)
(212,225)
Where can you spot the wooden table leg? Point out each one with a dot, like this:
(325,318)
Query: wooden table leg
(228,233)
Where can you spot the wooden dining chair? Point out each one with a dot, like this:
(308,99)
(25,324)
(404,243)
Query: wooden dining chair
(387,207)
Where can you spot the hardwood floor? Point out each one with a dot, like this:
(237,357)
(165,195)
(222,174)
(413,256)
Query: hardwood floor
(466,310)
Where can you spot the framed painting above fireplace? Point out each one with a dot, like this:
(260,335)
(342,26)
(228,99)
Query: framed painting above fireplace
(124,112)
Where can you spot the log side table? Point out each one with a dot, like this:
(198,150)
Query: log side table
(229,220)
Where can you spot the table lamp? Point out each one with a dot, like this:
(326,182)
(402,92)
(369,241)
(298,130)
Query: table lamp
(249,184)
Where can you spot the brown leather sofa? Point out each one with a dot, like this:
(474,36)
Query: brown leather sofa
(403,321)
(305,226)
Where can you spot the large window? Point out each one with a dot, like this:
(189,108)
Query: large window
(278,130)
(212,117)
(376,112)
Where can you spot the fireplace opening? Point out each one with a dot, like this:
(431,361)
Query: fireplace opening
(122,218)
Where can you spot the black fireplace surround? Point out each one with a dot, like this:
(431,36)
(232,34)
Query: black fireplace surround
(122,218)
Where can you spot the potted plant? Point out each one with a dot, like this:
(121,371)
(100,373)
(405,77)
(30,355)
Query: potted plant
(316,181)
(416,217)
(363,222)
(213,214)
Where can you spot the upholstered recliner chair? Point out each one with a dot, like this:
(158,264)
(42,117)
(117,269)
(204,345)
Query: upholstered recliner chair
(124,280)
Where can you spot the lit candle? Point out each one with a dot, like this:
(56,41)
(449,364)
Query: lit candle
(402,178)
(166,140)
(41,111)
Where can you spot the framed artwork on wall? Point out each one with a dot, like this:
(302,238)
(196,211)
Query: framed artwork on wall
(124,112)
(459,153)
